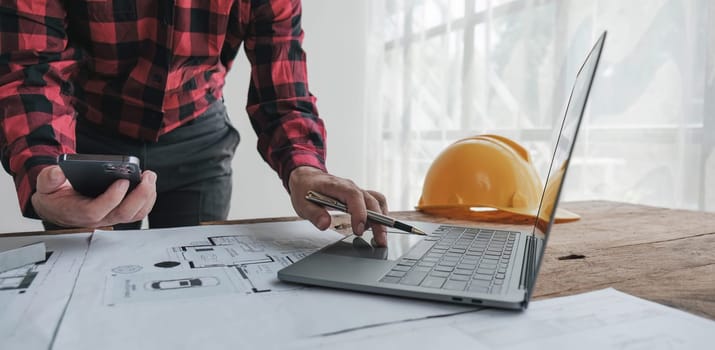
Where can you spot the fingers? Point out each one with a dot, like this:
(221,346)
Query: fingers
(376,202)
(347,192)
(97,209)
(357,200)
(381,200)
(50,179)
(150,177)
(137,204)
(68,208)
(358,203)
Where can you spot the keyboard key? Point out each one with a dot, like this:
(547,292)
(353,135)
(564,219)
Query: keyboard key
(407,262)
(496,289)
(444,268)
(396,273)
(448,263)
(413,278)
(485,271)
(455,285)
(500,276)
(439,274)
(498,282)
(455,277)
(419,250)
(483,277)
(463,272)
(466,266)
(401,268)
(469,260)
(426,264)
(390,279)
(433,282)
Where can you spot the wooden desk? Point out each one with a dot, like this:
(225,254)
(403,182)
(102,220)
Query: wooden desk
(664,255)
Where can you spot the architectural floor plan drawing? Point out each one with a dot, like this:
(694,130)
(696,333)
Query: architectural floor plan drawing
(256,260)
(221,277)
(33,297)
(223,263)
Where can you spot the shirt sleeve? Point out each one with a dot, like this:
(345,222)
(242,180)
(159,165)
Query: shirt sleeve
(282,111)
(36,117)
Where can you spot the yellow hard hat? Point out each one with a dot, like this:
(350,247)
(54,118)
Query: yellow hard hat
(484,171)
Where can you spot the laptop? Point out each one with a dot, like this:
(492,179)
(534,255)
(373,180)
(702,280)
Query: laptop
(459,264)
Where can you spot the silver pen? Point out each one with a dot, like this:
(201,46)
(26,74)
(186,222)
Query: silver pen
(333,203)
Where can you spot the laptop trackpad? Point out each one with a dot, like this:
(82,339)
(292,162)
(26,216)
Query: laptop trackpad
(397,245)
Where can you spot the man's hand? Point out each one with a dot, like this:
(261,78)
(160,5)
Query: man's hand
(56,201)
(304,179)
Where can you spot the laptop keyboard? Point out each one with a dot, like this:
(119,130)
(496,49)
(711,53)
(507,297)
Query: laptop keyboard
(457,258)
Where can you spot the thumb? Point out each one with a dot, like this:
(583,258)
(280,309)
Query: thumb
(50,179)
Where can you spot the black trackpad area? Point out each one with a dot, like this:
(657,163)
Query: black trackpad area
(363,247)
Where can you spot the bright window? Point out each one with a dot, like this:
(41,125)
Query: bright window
(450,69)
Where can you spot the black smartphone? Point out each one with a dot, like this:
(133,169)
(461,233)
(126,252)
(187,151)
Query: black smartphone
(92,174)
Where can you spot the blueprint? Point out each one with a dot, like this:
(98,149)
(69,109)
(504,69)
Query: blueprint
(233,260)
(605,319)
(189,287)
(186,288)
(33,297)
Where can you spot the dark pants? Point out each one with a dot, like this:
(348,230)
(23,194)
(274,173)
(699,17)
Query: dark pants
(192,163)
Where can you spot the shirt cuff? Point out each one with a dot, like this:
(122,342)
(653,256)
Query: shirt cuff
(25,177)
(300,159)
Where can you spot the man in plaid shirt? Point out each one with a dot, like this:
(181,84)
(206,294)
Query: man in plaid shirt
(145,78)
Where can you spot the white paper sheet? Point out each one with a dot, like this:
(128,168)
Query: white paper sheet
(605,319)
(33,297)
(214,285)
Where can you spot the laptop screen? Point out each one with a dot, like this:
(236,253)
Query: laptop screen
(564,147)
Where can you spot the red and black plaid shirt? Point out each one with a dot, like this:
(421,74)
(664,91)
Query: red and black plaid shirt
(143,68)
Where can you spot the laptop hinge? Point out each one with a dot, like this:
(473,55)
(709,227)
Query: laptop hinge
(527,268)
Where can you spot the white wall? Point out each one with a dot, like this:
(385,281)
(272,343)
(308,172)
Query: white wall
(335,45)
(335,42)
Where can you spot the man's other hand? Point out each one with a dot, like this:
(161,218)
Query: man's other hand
(56,201)
(303,179)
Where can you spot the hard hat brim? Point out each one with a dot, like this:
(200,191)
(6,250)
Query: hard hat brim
(562,215)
